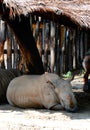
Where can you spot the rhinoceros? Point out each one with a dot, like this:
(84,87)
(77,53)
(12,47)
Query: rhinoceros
(41,91)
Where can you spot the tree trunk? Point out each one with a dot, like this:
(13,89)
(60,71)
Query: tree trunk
(24,36)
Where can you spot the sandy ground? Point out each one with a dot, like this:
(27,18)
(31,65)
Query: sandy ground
(12,118)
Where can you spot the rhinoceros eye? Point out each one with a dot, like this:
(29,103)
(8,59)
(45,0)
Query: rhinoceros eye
(49,82)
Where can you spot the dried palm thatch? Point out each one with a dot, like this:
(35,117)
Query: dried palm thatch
(75,11)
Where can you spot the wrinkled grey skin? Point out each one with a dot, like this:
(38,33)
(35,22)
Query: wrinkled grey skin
(45,91)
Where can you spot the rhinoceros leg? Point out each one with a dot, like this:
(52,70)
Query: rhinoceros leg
(49,96)
(57,107)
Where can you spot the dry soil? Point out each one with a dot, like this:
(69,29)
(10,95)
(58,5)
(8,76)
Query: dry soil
(12,118)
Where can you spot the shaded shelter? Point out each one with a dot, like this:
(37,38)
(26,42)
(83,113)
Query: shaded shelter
(16,13)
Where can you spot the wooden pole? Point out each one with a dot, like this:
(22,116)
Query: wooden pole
(52,46)
(46,46)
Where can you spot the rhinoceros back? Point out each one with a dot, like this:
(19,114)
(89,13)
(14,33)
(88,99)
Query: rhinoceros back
(31,92)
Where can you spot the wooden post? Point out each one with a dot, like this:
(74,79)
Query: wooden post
(57,49)
(52,46)
(77,55)
(70,57)
(16,55)
(46,46)
(2,64)
(67,37)
(73,53)
(81,48)
(62,45)
(2,41)
(39,36)
(85,43)
(9,54)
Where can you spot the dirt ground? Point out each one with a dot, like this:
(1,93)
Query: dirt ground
(12,118)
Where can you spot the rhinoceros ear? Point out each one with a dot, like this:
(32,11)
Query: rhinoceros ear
(51,84)
(52,79)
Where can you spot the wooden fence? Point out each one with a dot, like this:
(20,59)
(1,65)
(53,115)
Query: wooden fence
(61,48)
(9,49)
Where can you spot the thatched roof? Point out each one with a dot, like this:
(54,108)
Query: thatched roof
(69,11)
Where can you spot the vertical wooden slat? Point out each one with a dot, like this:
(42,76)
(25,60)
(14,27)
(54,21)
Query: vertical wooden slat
(77,47)
(39,36)
(81,47)
(52,46)
(62,44)
(9,54)
(43,39)
(9,48)
(70,50)
(16,57)
(67,39)
(73,52)
(2,64)
(33,25)
(2,41)
(57,49)
(46,46)
(85,43)
(31,22)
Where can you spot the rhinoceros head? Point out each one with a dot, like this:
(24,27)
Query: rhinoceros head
(64,92)
(66,96)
